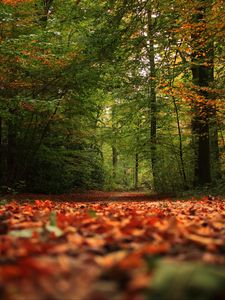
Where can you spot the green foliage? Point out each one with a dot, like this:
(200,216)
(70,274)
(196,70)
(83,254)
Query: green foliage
(77,105)
(60,170)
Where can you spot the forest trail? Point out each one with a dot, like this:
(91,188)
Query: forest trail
(93,196)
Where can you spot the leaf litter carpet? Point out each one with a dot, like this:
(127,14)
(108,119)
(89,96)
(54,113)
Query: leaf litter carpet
(101,248)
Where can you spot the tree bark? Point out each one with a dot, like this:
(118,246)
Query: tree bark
(11,155)
(152,95)
(1,152)
(216,167)
(181,156)
(202,77)
(114,148)
(114,160)
(136,171)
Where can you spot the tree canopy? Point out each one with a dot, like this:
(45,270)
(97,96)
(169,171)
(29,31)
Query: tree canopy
(111,95)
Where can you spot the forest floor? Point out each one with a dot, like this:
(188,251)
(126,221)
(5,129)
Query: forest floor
(111,246)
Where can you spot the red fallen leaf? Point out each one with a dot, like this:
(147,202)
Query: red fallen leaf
(9,271)
(151,220)
(205,241)
(135,223)
(134,232)
(75,237)
(24,268)
(64,220)
(28,209)
(135,260)
(138,282)
(131,261)
(26,224)
(218,225)
(38,203)
(110,259)
(46,203)
(156,249)
(95,242)
(41,266)
(59,249)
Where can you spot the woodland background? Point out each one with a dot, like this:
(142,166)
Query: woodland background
(113,95)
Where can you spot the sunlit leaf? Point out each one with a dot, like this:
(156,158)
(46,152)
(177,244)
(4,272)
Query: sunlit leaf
(24,233)
(56,230)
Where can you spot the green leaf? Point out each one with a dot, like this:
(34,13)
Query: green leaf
(56,230)
(24,233)
(187,281)
(53,218)
(3,202)
(92,213)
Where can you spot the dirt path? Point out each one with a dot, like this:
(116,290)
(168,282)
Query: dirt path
(92,196)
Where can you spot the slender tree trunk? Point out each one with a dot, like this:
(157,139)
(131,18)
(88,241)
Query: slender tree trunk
(183,173)
(136,170)
(216,167)
(114,148)
(11,154)
(152,96)
(182,169)
(114,160)
(136,161)
(1,154)
(213,124)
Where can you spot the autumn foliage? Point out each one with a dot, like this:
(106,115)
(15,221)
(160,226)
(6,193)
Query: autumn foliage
(15,2)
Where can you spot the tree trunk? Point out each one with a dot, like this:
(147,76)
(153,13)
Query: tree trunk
(114,160)
(136,170)
(215,158)
(11,154)
(202,76)
(181,156)
(1,154)
(152,96)
(114,148)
